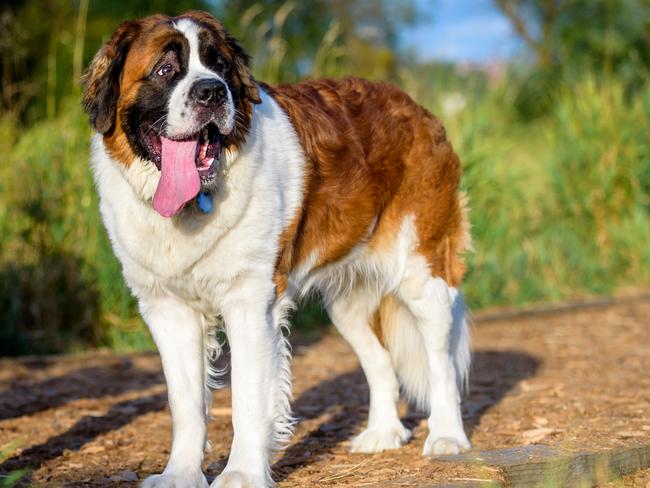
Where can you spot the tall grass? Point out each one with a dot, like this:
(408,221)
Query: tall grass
(560,205)
(60,285)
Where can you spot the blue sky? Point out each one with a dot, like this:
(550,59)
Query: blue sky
(461,30)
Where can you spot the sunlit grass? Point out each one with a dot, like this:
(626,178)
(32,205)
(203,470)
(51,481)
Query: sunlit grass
(11,479)
(59,281)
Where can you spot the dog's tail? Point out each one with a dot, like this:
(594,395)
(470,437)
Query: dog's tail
(404,343)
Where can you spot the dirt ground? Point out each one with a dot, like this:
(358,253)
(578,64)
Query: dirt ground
(576,379)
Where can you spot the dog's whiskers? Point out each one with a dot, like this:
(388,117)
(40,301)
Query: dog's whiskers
(161,120)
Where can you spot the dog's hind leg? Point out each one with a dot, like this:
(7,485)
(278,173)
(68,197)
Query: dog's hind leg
(431,302)
(352,314)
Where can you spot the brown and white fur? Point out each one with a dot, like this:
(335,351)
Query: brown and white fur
(343,186)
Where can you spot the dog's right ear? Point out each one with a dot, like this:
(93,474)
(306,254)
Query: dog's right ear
(101,83)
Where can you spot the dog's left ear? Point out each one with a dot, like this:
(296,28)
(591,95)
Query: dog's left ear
(241,70)
(101,83)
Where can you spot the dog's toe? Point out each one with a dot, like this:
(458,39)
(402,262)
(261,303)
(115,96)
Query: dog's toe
(237,479)
(376,439)
(445,445)
(175,480)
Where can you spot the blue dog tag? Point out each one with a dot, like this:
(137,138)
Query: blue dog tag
(205,202)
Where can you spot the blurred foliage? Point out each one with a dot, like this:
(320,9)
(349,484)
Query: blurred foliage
(612,34)
(45,43)
(39,40)
(569,37)
(297,36)
(560,205)
(555,153)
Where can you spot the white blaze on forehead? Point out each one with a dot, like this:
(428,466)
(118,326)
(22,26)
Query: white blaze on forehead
(191,31)
(181,120)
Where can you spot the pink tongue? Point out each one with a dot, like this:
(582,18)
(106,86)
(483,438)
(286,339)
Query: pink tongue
(179,177)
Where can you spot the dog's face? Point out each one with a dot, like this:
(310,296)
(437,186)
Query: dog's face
(163,87)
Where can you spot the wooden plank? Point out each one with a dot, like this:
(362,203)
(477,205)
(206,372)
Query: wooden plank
(537,465)
(408,482)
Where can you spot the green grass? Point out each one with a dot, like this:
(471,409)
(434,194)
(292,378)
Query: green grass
(11,479)
(560,207)
(60,285)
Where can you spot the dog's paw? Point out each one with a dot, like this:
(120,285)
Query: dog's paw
(237,479)
(176,480)
(375,439)
(437,446)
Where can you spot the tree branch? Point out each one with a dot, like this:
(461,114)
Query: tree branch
(510,9)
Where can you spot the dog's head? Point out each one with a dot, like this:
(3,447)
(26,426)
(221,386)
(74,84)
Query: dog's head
(173,92)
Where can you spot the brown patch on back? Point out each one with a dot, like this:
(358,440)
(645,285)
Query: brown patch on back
(373,157)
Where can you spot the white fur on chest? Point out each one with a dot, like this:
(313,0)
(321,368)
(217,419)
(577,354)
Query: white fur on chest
(196,255)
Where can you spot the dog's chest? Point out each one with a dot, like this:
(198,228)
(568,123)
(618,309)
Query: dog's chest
(196,251)
(165,251)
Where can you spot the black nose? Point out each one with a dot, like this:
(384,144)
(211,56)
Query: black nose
(209,92)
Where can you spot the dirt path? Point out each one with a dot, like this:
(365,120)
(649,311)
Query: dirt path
(578,380)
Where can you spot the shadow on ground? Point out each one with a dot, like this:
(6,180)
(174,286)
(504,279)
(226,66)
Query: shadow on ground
(343,401)
(345,397)
(26,397)
(494,374)
(82,432)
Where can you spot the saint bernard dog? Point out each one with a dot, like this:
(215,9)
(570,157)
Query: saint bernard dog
(226,199)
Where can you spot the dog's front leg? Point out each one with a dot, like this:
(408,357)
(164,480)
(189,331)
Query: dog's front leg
(178,333)
(258,375)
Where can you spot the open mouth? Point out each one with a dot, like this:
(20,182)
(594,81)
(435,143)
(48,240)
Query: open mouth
(208,149)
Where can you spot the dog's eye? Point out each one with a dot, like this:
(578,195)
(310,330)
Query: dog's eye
(220,64)
(165,70)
